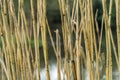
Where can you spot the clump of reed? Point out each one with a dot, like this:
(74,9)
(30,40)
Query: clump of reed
(19,61)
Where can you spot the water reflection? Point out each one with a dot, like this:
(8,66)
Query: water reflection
(53,74)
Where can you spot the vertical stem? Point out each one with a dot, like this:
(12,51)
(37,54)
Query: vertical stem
(118,29)
(44,38)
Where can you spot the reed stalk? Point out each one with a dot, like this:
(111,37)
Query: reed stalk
(118,30)
(81,36)
(108,43)
(44,38)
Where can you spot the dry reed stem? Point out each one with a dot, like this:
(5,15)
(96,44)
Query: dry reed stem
(18,62)
(70,39)
(108,44)
(4,17)
(77,41)
(89,25)
(96,49)
(118,30)
(57,50)
(58,54)
(63,10)
(44,38)
(5,70)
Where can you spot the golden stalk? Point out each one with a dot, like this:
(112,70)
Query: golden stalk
(118,30)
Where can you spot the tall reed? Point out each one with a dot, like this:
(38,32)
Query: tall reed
(82,40)
(118,30)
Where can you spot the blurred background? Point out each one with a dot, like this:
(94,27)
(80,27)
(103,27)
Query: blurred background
(53,13)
